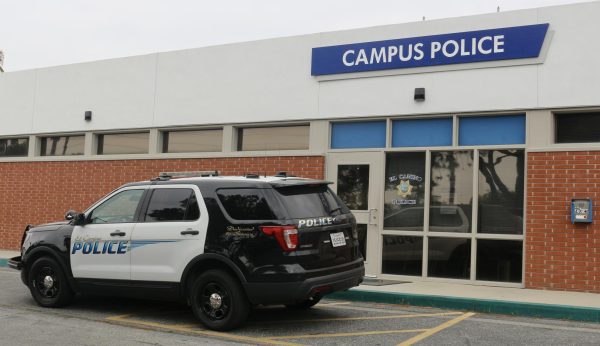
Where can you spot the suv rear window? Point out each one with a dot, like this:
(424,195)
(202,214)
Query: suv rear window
(310,201)
(246,204)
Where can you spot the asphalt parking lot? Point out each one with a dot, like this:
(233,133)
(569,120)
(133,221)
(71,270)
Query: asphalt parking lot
(100,321)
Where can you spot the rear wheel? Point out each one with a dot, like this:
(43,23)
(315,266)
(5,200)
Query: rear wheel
(305,304)
(48,283)
(218,300)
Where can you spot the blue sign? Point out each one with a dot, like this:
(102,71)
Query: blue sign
(458,48)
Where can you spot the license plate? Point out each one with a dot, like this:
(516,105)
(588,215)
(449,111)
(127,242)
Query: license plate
(338,239)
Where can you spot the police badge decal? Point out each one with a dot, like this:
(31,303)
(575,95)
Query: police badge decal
(404,189)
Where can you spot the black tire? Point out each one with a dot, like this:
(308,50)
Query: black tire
(228,307)
(305,304)
(48,283)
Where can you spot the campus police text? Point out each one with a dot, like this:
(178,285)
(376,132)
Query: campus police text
(417,51)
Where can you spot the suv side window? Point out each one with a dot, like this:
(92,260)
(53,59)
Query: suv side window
(246,204)
(172,205)
(120,208)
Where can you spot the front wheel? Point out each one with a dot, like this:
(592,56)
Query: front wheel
(48,283)
(218,300)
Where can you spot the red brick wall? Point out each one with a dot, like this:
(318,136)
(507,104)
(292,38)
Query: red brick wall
(558,254)
(39,192)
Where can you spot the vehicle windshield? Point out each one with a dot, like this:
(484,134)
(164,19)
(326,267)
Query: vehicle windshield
(310,201)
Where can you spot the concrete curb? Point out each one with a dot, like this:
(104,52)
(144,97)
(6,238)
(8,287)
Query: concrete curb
(566,312)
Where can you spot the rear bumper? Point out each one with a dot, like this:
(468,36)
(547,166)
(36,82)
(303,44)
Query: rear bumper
(271,293)
(15,263)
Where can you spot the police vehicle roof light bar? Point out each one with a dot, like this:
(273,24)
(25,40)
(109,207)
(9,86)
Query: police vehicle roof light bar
(191,174)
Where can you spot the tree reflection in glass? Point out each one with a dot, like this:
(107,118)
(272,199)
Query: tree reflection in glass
(501,190)
(353,186)
(451,191)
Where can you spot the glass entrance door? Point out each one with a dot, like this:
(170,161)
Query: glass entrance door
(355,178)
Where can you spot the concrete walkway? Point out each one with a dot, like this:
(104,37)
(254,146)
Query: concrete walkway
(587,300)
(576,306)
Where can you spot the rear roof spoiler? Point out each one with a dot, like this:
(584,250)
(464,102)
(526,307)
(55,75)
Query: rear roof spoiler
(299,182)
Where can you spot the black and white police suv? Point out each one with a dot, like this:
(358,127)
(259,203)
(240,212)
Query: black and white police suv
(221,244)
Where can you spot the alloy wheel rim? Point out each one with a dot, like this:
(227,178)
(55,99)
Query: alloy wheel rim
(215,301)
(46,282)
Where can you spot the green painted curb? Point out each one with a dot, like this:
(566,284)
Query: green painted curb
(3,262)
(566,312)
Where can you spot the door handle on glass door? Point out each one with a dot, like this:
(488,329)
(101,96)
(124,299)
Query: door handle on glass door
(373,217)
(190,231)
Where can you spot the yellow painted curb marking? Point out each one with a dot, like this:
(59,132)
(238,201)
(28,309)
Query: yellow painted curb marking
(190,329)
(365,318)
(333,335)
(437,329)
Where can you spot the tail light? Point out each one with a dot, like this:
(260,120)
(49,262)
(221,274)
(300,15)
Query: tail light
(286,236)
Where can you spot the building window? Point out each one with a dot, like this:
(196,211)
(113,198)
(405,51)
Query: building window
(464,217)
(577,127)
(62,145)
(499,260)
(11,147)
(360,134)
(451,191)
(492,130)
(422,132)
(404,196)
(501,191)
(402,255)
(353,186)
(123,143)
(449,258)
(273,138)
(189,141)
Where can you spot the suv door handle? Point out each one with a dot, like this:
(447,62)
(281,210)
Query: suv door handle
(117,233)
(190,231)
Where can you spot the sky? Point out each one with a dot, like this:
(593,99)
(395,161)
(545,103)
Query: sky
(40,33)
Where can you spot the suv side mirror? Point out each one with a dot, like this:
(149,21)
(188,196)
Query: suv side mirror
(77,218)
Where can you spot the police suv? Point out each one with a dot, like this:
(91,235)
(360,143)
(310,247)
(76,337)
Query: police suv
(221,244)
